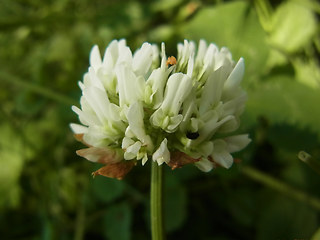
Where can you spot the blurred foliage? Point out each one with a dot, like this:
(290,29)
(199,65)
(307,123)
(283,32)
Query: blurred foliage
(46,191)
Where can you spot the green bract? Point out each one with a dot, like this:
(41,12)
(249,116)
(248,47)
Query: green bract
(135,108)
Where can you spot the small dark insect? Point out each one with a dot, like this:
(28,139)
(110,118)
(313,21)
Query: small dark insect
(192,135)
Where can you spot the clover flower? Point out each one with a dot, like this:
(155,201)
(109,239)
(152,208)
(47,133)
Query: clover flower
(172,110)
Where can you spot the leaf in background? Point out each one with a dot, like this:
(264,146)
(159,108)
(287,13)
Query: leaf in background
(236,26)
(175,203)
(276,59)
(293,26)
(12,160)
(165,5)
(283,218)
(117,222)
(59,45)
(163,32)
(69,189)
(107,189)
(282,135)
(241,204)
(316,235)
(283,100)
(307,72)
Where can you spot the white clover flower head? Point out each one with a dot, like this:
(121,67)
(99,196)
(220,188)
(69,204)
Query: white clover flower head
(172,110)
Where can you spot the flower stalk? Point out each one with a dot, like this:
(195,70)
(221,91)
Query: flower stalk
(157,227)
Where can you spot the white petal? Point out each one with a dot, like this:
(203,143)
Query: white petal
(132,151)
(157,117)
(174,123)
(236,76)
(111,55)
(98,101)
(209,58)
(237,143)
(201,52)
(155,55)
(81,85)
(229,126)
(206,149)
(78,129)
(144,159)
(162,154)
(212,91)
(135,118)
(125,54)
(157,81)
(204,165)
(95,58)
(96,137)
(220,154)
(177,90)
(223,58)
(163,56)
(85,117)
(188,108)
(126,142)
(142,59)
(164,121)
(190,65)
(210,127)
(185,56)
(131,87)
(236,105)
(94,79)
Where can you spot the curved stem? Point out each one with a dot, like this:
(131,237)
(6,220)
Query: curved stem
(41,90)
(156,202)
(281,187)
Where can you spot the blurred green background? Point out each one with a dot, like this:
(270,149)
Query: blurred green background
(47,192)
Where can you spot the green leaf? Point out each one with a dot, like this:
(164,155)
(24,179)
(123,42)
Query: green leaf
(163,32)
(308,72)
(117,222)
(293,26)
(107,189)
(175,203)
(316,235)
(241,205)
(286,219)
(283,100)
(236,26)
(12,161)
(164,5)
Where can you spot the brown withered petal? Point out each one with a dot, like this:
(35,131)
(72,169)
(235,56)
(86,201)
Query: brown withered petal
(179,159)
(79,138)
(115,170)
(101,155)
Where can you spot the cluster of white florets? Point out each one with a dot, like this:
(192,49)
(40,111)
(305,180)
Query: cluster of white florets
(146,106)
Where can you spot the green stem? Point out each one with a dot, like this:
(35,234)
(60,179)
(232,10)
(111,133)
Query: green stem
(43,91)
(80,221)
(281,187)
(156,202)
(306,157)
